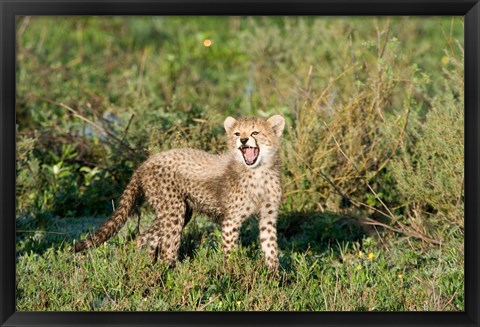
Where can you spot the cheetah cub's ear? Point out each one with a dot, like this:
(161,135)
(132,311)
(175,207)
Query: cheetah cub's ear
(229,122)
(277,123)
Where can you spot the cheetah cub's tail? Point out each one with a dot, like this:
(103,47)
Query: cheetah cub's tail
(117,220)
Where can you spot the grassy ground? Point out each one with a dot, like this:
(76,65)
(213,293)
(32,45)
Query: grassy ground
(374,104)
(328,263)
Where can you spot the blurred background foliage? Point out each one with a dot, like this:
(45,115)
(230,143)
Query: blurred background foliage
(373,105)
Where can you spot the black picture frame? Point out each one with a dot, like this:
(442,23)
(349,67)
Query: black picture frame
(10,8)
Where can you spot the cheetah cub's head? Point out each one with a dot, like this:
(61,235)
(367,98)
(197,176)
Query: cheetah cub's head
(254,140)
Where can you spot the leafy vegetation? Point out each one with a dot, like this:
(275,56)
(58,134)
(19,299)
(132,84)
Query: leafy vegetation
(372,217)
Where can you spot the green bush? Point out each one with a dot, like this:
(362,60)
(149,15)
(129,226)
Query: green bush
(429,170)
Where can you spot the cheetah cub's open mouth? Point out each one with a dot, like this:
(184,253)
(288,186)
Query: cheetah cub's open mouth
(250,154)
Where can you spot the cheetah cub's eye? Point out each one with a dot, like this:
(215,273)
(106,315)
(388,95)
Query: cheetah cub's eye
(236,133)
(255,133)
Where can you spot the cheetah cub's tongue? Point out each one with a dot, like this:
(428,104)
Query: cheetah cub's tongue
(250,155)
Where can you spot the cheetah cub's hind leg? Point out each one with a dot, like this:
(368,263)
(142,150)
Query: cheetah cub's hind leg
(165,233)
(150,239)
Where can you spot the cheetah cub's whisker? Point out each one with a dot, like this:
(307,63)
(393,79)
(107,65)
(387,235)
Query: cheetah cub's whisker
(229,188)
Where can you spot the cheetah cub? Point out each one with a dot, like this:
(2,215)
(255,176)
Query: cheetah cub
(229,188)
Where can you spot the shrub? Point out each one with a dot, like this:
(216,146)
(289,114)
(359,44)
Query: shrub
(429,170)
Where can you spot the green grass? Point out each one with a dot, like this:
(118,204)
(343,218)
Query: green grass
(349,270)
(373,103)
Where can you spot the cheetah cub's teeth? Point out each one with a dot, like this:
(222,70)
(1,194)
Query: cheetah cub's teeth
(250,154)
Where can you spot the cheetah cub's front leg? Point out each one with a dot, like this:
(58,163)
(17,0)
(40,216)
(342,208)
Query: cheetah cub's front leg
(230,233)
(231,225)
(268,234)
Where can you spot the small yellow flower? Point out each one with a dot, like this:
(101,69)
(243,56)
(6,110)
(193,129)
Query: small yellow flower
(238,303)
(359,267)
(400,276)
(371,256)
(207,42)
(445,60)
(220,303)
(360,254)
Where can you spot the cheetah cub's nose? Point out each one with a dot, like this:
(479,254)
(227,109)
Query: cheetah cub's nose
(244,140)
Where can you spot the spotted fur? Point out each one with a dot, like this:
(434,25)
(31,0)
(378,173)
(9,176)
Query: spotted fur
(229,188)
